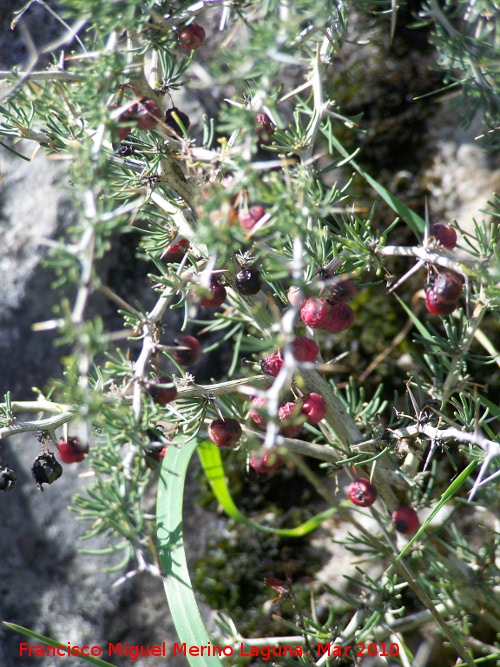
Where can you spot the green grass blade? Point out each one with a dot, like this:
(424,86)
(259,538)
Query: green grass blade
(212,465)
(413,220)
(418,324)
(449,493)
(179,591)
(52,642)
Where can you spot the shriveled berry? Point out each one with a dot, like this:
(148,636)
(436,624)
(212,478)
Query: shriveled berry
(257,405)
(444,235)
(8,479)
(224,432)
(448,288)
(341,292)
(72,450)
(362,492)
(272,364)
(218,294)
(314,407)
(319,314)
(154,454)
(175,251)
(248,281)
(305,349)
(149,113)
(264,128)
(177,120)
(437,307)
(191,37)
(45,469)
(249,218)
(264,462)
(291,419)
(162,391)
(188,356)
(405,520)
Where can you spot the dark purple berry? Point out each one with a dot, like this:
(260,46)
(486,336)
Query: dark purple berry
(341,292)
(248,281)
(444,235)
(149,113)
(217,296)
(224,432)
(187,356)
(362,492)
(191,36)
(437,307)
(162,391)
(448,288)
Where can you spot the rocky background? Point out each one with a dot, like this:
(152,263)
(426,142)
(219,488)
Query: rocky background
(45,583)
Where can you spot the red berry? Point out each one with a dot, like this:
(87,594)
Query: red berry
(264,128)
(126,120)
(362,493)
(156,456)
(264,462)
(175,251)
(177,120)
(405,520)
(341,292)
(289,415)
(248,219)
(188,356)
(248,281)
(304,349)
(224,432)
(444,235)
(191,36)
(162,391)
(448,288)
(257,404)
(272,364)
(437,307)
(72,451)
(218,295)
(319,314)
(149,113)
(314,407)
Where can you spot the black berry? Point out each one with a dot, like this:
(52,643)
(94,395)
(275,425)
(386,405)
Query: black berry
(8,479)
(45,469)
(177,120)
(248,281)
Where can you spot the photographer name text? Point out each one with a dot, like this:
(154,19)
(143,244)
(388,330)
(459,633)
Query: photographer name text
(264,652)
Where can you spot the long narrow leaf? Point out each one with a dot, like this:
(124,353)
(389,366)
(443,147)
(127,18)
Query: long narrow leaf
(414,221)
(180,596)
(53,642)
(212,465)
